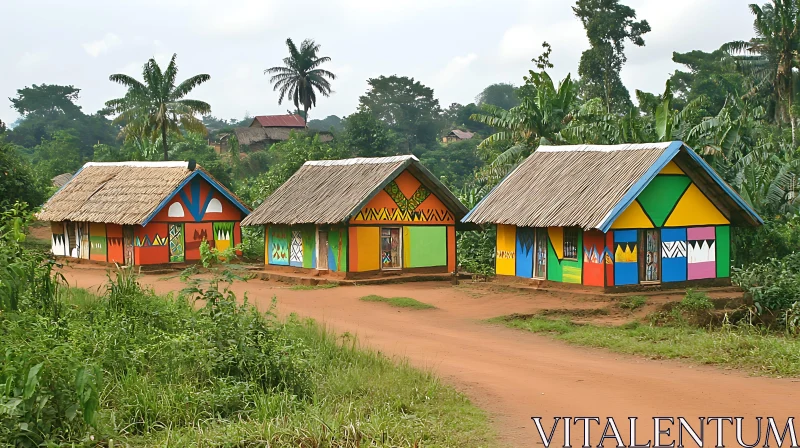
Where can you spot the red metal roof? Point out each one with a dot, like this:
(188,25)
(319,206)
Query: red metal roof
(284,121)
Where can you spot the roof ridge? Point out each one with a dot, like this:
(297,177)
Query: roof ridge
(607,148)
(361,161)
(142,164)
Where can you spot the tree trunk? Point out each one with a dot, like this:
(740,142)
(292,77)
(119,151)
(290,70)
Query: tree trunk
(164,142)
(305,114)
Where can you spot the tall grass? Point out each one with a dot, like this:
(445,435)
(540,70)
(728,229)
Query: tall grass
(148,370)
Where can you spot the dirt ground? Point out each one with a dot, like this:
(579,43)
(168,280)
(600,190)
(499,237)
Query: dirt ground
(512,374)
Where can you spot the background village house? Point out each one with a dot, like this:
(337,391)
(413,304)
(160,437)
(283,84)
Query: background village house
(141,213)
(615,216)
(264,131)
(361,217)
(457,135)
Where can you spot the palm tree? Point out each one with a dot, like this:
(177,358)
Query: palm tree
(543,112)
(300,77)
(157,106)
(775,48)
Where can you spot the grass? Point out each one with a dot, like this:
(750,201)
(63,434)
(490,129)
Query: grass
(362,398)
(633,303)
(400,302)
(165,373)
(313,287)
(742,347)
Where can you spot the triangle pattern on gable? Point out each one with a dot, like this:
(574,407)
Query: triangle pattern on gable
(405,199)
(693,209)
(671,168)
(633,217)
(661,195)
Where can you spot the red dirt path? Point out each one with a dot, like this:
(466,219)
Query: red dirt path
(515,375)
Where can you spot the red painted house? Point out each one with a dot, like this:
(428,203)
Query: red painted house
(142,213)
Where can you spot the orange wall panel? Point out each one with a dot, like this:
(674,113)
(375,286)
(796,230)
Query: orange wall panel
(115,247)
(451,248)
(151,245)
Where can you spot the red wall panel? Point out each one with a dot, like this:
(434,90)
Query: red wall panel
(609,258)
(593,262)
(195,234)
(195,200)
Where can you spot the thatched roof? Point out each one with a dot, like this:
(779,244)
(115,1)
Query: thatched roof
(61,179)
(462,135)
(332,191)
(125,193)
(589,186)
(250,136)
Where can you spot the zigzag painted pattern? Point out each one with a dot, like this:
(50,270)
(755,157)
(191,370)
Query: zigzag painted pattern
(673,249)
(384,214)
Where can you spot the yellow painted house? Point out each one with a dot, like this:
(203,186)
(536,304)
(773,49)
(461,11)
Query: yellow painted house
(615,216)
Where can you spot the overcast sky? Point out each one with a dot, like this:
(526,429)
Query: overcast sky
(457,47)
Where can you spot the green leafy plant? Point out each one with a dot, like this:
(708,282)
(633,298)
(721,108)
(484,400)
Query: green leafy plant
(633,303)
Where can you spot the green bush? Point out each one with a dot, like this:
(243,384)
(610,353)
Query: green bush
(774,285)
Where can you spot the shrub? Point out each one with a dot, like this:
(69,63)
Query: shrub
(773,285)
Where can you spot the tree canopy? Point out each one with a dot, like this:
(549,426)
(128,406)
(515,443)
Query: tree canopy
(608,24)
(406,106)
(156,106)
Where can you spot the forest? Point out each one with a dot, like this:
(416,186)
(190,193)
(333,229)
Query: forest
(735,106)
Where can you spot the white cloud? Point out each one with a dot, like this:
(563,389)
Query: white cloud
(98,47)
(455,67)
(241,18)
(30,60)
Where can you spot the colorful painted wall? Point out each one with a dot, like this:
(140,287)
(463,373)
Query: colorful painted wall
(404,200)
(693,235)
(297,246)
(199,201)
(427,227)
(671,233)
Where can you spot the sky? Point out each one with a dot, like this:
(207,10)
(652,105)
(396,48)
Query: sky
(457,47)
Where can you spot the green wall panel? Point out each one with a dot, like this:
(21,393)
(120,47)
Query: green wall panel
(571,270)
(337,259)
(554,272)
(308,233)
(723,251)
(661,195)
(428,246)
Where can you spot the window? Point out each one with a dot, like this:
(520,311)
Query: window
(571,244)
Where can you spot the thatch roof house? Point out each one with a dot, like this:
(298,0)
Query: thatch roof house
(257,138)
(61,179)
(142,213)
(361,216)
(610,216)
(457,135)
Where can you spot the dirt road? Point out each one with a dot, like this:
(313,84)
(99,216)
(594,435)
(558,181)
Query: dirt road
(515,375)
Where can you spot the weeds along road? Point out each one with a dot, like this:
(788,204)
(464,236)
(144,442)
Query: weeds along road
(516,375)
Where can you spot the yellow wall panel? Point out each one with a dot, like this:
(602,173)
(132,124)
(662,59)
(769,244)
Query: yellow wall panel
(266,244)
(671,168)
(556,235)
(406,247)
(633,218)
(506,249)
(694,209)
(369,253)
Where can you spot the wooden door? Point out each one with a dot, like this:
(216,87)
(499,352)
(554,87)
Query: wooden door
(540,255)
(177,243)
(391,248)
(322,261)
(127,245)
(650,258)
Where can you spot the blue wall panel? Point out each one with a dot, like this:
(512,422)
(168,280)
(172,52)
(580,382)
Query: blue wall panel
(524,258)
(673,255)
